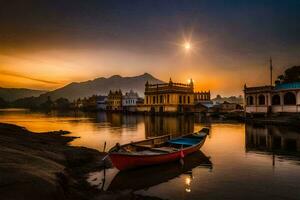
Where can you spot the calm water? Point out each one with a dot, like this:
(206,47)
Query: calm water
(237,161)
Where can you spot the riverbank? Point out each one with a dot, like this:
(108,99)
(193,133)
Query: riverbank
(39,166)
(42,165)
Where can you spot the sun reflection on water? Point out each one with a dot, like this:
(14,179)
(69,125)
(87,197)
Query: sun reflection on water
(188,181)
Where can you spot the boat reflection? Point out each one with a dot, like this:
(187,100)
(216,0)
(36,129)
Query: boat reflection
(144,178)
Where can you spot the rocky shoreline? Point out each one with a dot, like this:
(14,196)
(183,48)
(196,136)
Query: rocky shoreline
(42,165)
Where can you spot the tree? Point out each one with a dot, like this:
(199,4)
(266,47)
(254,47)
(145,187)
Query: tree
(27,102)
(3,103)
(218,97)
(277,82)
(48,105)
(280,78)
(292,74)
(62,104)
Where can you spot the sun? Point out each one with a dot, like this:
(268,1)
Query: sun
(187,46)
(190,81)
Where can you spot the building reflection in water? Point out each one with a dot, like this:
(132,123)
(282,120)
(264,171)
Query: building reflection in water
(164,125)
(118,120)
(154,125)
(276,139)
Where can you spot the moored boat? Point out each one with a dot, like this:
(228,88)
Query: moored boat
(156,150)
(143,177)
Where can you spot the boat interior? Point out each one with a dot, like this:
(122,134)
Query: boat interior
(162,145)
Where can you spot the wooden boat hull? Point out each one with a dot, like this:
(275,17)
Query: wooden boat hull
(143,177)
(128,161)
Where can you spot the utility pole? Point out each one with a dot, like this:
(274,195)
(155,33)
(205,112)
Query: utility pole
(271,72)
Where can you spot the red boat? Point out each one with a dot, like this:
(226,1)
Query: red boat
(156,150)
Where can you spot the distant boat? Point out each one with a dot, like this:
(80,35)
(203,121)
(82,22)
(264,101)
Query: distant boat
(144,178)
(156,150)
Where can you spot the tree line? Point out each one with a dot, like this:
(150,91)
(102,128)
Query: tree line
(35,103)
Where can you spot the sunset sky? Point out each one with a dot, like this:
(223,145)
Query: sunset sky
(48,44)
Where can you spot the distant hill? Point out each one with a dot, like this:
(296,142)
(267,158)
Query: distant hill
(101,86)
(233,99)
(11,94)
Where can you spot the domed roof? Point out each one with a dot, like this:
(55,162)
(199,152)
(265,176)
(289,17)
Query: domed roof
(287,86)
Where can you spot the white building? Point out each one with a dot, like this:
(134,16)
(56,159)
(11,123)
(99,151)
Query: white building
(129,101)
(284,97)
(281,98)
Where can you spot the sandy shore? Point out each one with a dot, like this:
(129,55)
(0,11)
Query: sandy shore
(42,165)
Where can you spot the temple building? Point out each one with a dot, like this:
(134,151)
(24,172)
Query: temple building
(114,101)
(202,102)
(200,97)
(281,98)
(171,97)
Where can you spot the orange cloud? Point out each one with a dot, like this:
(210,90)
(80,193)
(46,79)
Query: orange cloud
(16,75)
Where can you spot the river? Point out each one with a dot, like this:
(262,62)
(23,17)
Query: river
(237,161)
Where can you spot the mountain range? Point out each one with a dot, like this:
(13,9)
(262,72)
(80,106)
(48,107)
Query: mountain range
(98,86)
(11,94)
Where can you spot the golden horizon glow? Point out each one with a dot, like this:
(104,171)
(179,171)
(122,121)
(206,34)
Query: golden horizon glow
(49,69)
(53,69)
